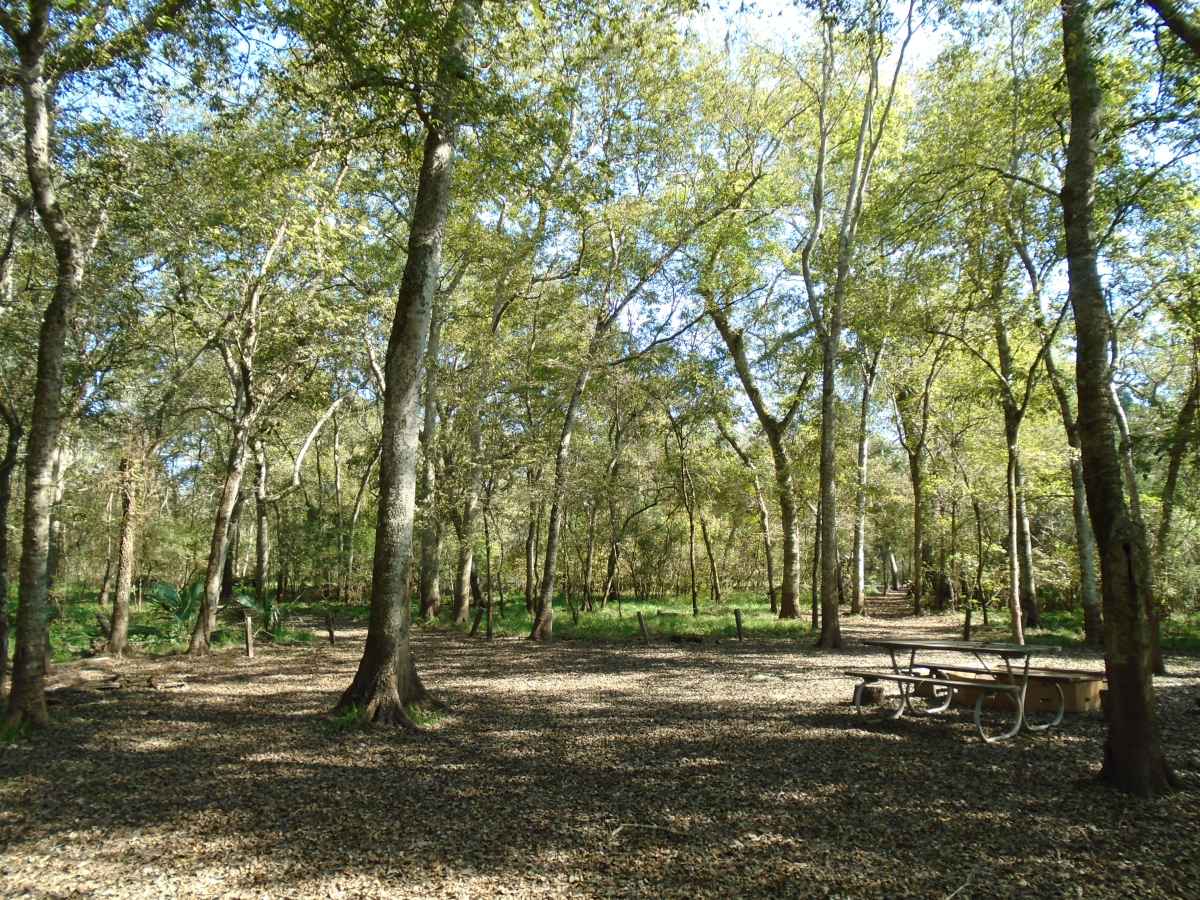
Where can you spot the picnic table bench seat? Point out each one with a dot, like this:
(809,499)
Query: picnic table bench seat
(908,680)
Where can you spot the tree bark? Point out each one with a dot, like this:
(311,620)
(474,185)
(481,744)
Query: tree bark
(1085,541)
(1177,20)
(118,637)
(1181,439)
(462,579)
(1133,755)
(262,537)
(775,430)
(27,702)
(858,592)
(214,575)
(386,681)
(7,464)
(543,621)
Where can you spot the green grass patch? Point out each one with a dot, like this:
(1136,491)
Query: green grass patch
(351,719)
(665,619)
(423,717)
(285,636)
(12,734)
(1064,628)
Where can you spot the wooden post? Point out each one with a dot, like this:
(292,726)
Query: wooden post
(249,623)
(642,625)
(967,624)
(329,626)
(737,620)
(489,622)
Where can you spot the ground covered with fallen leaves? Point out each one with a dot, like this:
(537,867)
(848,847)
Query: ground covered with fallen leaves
(712,770)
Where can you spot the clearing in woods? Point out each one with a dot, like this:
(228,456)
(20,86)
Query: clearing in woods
(576,769)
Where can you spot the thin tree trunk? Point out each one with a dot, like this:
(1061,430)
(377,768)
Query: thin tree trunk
(7,464)
(1085,541)
(262,537)
(206,621)
(715,586)
(1029,602)
(916,474)
(543,622)
(1133,754)
(118,637)
(531,558)
(590,558)
(1181,439)
(858,592)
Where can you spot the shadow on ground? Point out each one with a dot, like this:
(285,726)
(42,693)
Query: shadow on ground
(576,770)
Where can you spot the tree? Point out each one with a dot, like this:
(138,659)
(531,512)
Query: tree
(1133,755)
(386,682)
(49,47)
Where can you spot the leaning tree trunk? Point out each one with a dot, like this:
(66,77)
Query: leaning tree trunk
(7,465)
(214,574)
(118,638)
(543,621)
(1133,754)
(27,701)
(386,681)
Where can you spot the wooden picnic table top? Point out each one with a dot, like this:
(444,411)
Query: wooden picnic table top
(989,647)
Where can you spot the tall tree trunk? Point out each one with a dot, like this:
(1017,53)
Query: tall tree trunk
(118,637)
(214,574)
(1029,602)
(713,573)
(386,681)
(1017,624)
(27,702)
(462,577)
(1133,755)
(764,523)
(691,514)
(831,632)
(1085,541)
(262,537)
(775,429)
(530,558)
(543,622)
(858,580)
(916,474)
(590,557)
(7,464)
(1181,439)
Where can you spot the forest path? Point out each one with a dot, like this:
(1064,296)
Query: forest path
(574,770)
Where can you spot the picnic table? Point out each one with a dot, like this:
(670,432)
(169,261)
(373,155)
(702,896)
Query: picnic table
(1005,668)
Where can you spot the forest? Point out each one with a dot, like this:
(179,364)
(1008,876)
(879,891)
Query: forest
(512,380)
